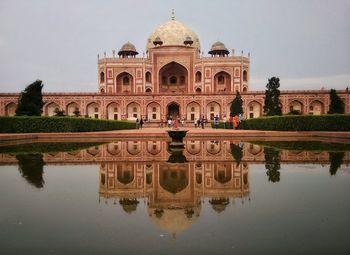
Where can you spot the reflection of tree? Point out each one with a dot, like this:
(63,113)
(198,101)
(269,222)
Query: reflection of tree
(129,204)
(31,167)
(219,204)
(335,159)
(272,164)
(236,152)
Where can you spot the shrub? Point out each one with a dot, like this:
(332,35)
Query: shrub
(33,124)
(334,122)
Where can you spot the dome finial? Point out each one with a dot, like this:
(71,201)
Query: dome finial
(172,14)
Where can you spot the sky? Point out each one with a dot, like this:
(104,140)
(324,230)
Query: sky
(306,43)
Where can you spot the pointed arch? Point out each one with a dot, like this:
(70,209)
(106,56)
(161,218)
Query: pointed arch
(254,109)
(173,77)
(124,83)
(213,108)
(153,111)
(296,106)
(51,108)
(113,111)
(222,82)
(93,110)
(193,111)
(10,109)
(71,108)
(316,107)
(134,110)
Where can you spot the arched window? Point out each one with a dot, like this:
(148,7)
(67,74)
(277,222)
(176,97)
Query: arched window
(102,77)
(126,80)
(245,75)
(198,90)
(198,76)
(173,80)
(148,77)
(148,90)
(221,79)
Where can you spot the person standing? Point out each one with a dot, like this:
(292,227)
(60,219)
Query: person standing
(235,122)
(202,122)
(141,122)
(137,123)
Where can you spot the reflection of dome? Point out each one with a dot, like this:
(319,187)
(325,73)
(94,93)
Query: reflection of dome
(173,33)
(129,205)
(218,48)
(219,204)
(174,221)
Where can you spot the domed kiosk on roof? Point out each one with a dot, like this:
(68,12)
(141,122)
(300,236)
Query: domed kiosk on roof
(218,48)
(128,49)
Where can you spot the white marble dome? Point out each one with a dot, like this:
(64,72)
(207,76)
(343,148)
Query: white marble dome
(173,33)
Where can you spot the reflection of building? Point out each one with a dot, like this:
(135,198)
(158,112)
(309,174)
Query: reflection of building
(157,150)
(173,78)
(174,191)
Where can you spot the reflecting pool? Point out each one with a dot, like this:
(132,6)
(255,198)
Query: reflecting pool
(139,197)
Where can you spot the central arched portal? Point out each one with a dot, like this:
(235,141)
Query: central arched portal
(173,110)
(173,78)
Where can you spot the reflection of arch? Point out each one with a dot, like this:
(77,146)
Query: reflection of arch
(222,82)
(113,111)
(198,76)
(254,149)
(125,173)
(173,180)
(133,147)
(296,106)
(173,77)
(222,173)
(125,82)
(213,109)
(173,110)
(51,108)
(134,110)
(148,77)
(254,110)
(93,110)
(93,151)
(193,147)
(153,147)
(153,111)
(213,147)
(114,148)
(10,109)
(71,108)
(316,107)
(193,111)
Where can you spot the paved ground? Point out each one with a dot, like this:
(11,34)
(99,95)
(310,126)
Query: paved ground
(198,133)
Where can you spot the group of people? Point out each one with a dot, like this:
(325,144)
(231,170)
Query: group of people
(234,121)
(200,122)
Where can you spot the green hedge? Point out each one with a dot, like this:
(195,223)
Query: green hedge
(332,122)
(25,124)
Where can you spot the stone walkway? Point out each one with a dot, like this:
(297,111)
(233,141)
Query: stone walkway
(198,133)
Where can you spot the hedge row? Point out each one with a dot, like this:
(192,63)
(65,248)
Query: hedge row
(25,124)
(305,145)
(333,122)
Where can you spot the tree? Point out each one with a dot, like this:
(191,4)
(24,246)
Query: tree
(272,105)
(337,104)
(272,164)
(31,100)
(59,113)
(236,105)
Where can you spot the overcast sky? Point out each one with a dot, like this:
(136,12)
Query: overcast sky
(305,43)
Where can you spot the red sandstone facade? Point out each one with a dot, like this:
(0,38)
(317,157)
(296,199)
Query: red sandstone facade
(173,78)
